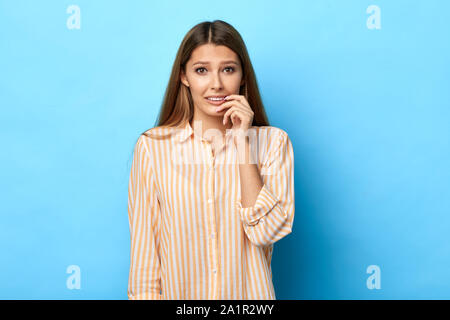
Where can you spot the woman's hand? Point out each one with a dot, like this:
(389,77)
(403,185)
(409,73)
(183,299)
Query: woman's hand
(239,111)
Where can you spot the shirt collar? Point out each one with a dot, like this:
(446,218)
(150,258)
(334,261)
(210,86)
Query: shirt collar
(187,131)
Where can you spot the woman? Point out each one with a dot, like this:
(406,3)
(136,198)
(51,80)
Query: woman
(211,186)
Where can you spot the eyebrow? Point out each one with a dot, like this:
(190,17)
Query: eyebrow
(223,62)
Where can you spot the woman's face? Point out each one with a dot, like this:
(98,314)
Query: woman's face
(212,71)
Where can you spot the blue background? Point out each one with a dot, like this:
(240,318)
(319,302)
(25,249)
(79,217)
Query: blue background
(367,112)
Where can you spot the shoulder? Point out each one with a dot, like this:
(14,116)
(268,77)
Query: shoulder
(160,133)
(153,137)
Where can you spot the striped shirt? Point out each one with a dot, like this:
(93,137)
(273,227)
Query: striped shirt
(190,236)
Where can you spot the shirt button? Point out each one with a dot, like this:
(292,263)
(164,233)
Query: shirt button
(214,270)
(210,200)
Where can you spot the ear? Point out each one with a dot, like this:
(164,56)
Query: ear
(183,79)
(242,82)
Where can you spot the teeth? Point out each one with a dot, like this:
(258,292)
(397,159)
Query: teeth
(215,99)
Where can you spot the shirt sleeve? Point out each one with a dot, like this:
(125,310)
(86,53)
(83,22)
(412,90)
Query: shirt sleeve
(272,216)
(144,281)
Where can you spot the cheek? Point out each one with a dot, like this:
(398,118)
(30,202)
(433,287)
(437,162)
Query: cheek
(233,82)
(199,87)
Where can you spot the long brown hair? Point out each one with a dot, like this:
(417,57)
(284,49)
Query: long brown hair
(177,106)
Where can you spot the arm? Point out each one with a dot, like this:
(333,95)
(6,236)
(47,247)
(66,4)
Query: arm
(143,216)
(271,216)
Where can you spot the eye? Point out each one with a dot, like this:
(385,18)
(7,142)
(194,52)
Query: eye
(196,70)
(232,69)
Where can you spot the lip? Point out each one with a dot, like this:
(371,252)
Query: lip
(216,103)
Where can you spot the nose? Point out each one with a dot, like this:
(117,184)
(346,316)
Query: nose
(216,82)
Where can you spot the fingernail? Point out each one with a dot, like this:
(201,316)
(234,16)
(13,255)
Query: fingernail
(226,98)
(217,108)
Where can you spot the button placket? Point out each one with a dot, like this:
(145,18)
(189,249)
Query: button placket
(211,177)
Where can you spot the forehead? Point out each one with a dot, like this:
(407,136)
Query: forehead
(213,53)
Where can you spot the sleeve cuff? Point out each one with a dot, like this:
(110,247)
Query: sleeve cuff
(263,205)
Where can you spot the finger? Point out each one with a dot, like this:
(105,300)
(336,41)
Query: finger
(230,111)
(227,114)
(244,120)
(227,104)
(239,98)
(239,115)
(232,96)
(234,112)
(238,104)
(240,108)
